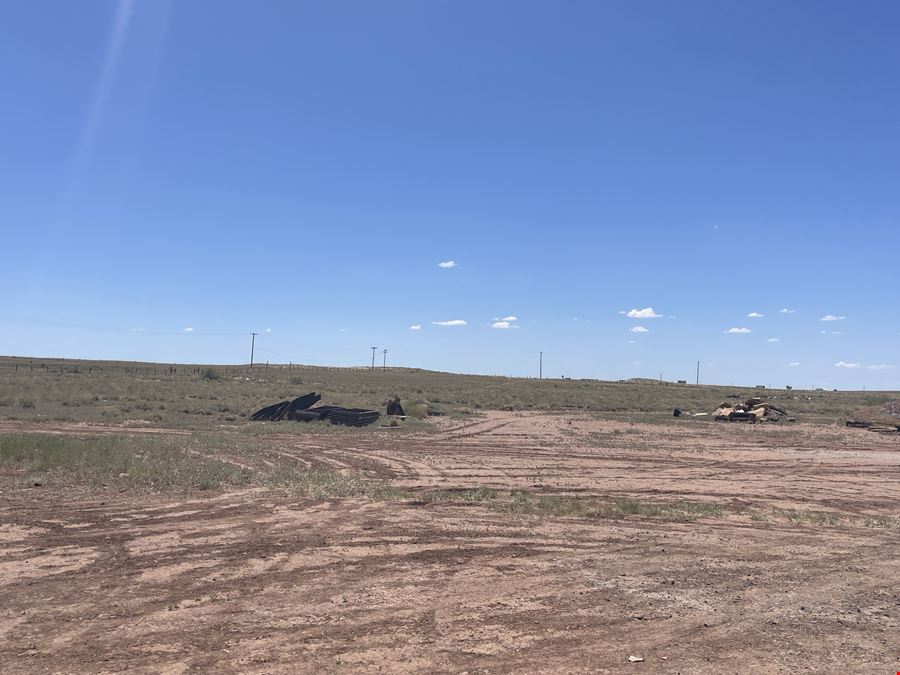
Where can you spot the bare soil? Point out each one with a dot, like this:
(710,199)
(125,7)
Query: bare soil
(260,581)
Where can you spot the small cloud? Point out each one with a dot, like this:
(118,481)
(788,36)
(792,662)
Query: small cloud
(844,364)
(137,330)
(447,264)
(837,332)
(621,311)
(508,318)
(880,366)
(631,342)
(785,310)
(188,330)
(343,330)
(646,313)
(637,363)
(774,340)
(452,322)
(755,315)
(504,325)
(268,330)
(416,326)
(832,317)
(794,364)
(639,329)
(736,331)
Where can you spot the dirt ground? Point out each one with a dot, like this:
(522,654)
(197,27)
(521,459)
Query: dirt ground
(260,581)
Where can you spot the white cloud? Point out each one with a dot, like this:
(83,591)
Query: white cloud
(880,366)
(416,326)
(502,324)
(837,332)
(188,330)
(832,317)
(631,342)
(508,318)
(637,363)
(755,315)
(447,264)
(268,330)
(621,311)
(794,364)
(736,331)
(452,322)
(646,313)
(788,311)
(774,340)
(844,364)
(343,330)
(137,330)
(639,329)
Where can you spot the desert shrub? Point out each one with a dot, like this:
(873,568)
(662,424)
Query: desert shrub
(26,403)
(210,374)
(417,409)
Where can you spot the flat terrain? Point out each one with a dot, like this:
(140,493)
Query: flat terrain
(497,542)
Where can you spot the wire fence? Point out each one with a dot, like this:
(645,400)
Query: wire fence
(49,366)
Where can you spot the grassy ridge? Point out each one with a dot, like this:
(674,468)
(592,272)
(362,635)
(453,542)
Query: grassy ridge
(206,396)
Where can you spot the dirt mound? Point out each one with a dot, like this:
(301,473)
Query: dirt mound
(885,416)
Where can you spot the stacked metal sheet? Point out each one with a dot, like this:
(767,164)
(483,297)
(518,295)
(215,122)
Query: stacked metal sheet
(299,410)
(286,410)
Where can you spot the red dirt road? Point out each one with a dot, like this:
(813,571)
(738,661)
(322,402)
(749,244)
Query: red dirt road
(262,582)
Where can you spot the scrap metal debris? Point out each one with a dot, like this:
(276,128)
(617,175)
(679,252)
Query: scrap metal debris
(300,410)
(754,409)
(394,407)
(286,410)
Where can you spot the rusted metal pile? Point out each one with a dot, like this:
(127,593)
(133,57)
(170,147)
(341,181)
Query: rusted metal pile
(300,410)
(752,410)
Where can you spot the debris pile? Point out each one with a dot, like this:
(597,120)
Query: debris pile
(300,410)
(286,410)
(394,407)
(884,418)
(754,409)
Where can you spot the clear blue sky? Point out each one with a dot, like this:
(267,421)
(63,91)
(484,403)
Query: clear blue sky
(300,169)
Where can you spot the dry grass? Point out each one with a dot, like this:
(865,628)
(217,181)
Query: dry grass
(208,396)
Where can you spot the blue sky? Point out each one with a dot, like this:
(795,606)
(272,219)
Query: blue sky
(300,169)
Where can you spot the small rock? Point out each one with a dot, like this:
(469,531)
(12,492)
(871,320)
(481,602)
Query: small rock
(635,659)
(37,483)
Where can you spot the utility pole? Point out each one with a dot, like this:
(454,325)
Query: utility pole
(373,357)
(384,362)
(252,346)
(541,366)
(698,373)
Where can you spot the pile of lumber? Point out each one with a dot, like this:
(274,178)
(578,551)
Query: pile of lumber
(754,409)
(300,410)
